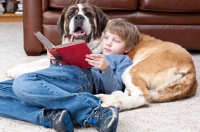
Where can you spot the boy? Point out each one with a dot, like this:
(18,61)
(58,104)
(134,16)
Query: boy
(56,96)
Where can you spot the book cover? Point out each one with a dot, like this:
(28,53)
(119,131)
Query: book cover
(72,53)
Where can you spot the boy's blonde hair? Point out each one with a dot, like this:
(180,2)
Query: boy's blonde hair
(125,30)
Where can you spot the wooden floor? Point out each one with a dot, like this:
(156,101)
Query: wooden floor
(11,17)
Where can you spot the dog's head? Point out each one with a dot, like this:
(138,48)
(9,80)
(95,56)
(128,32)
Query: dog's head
(83,22)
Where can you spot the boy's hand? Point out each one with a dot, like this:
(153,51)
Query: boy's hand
(97,60)
(51,57)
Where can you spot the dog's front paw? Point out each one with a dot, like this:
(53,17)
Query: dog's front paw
(99,95)
(12,73)
(107,100)
(109,104)
(103,97)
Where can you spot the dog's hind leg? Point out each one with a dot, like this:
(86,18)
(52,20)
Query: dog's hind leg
(136,85)
(134,95)
(184,87)
(122,100)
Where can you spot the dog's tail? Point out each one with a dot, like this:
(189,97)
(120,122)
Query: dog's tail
(184,87)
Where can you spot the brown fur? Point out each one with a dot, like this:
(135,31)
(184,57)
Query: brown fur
(162,57)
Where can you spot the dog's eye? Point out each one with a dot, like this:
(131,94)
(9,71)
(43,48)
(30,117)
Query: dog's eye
(70,15)
(88,14)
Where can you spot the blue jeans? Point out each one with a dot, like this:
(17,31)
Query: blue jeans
(57,87)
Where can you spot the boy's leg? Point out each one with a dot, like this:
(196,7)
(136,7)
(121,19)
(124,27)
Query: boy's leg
(12,107)
(58,87)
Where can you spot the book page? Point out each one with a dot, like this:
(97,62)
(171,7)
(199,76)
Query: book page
(44,40)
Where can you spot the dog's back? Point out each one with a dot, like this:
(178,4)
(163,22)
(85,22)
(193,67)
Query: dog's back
(163,71)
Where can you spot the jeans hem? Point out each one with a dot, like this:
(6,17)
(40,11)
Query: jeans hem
(86,123)
(42,117)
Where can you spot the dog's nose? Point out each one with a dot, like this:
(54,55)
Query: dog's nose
(79,20)
(79,17)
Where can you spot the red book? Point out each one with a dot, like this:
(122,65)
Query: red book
(72,53)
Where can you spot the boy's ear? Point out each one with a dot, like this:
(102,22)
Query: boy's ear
(126,51)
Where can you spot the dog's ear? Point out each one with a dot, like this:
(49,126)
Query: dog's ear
(60,22)
(102,20)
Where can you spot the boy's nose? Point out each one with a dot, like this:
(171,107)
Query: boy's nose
(108,42)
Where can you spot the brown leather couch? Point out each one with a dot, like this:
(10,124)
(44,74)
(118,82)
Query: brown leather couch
(177,21)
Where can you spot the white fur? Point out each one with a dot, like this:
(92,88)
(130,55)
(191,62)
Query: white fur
(86,24)
(28,67)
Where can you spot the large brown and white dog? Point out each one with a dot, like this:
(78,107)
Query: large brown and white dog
(80,21)
(161,72)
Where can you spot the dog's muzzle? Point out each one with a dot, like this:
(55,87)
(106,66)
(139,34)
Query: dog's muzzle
(79,33)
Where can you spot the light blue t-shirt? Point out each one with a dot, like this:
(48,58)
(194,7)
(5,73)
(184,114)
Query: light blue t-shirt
(110,80)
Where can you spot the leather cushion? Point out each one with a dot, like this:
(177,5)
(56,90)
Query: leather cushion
(167,18)
(103,4)
(170,5)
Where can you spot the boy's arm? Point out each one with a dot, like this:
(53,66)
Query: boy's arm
(110,81)
(111,78)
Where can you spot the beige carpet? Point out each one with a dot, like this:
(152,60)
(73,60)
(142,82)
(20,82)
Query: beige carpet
(179,116)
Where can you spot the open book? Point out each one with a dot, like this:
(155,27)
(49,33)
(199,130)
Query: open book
(72,53)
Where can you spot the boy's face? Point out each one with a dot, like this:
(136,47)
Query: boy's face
(113,44)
